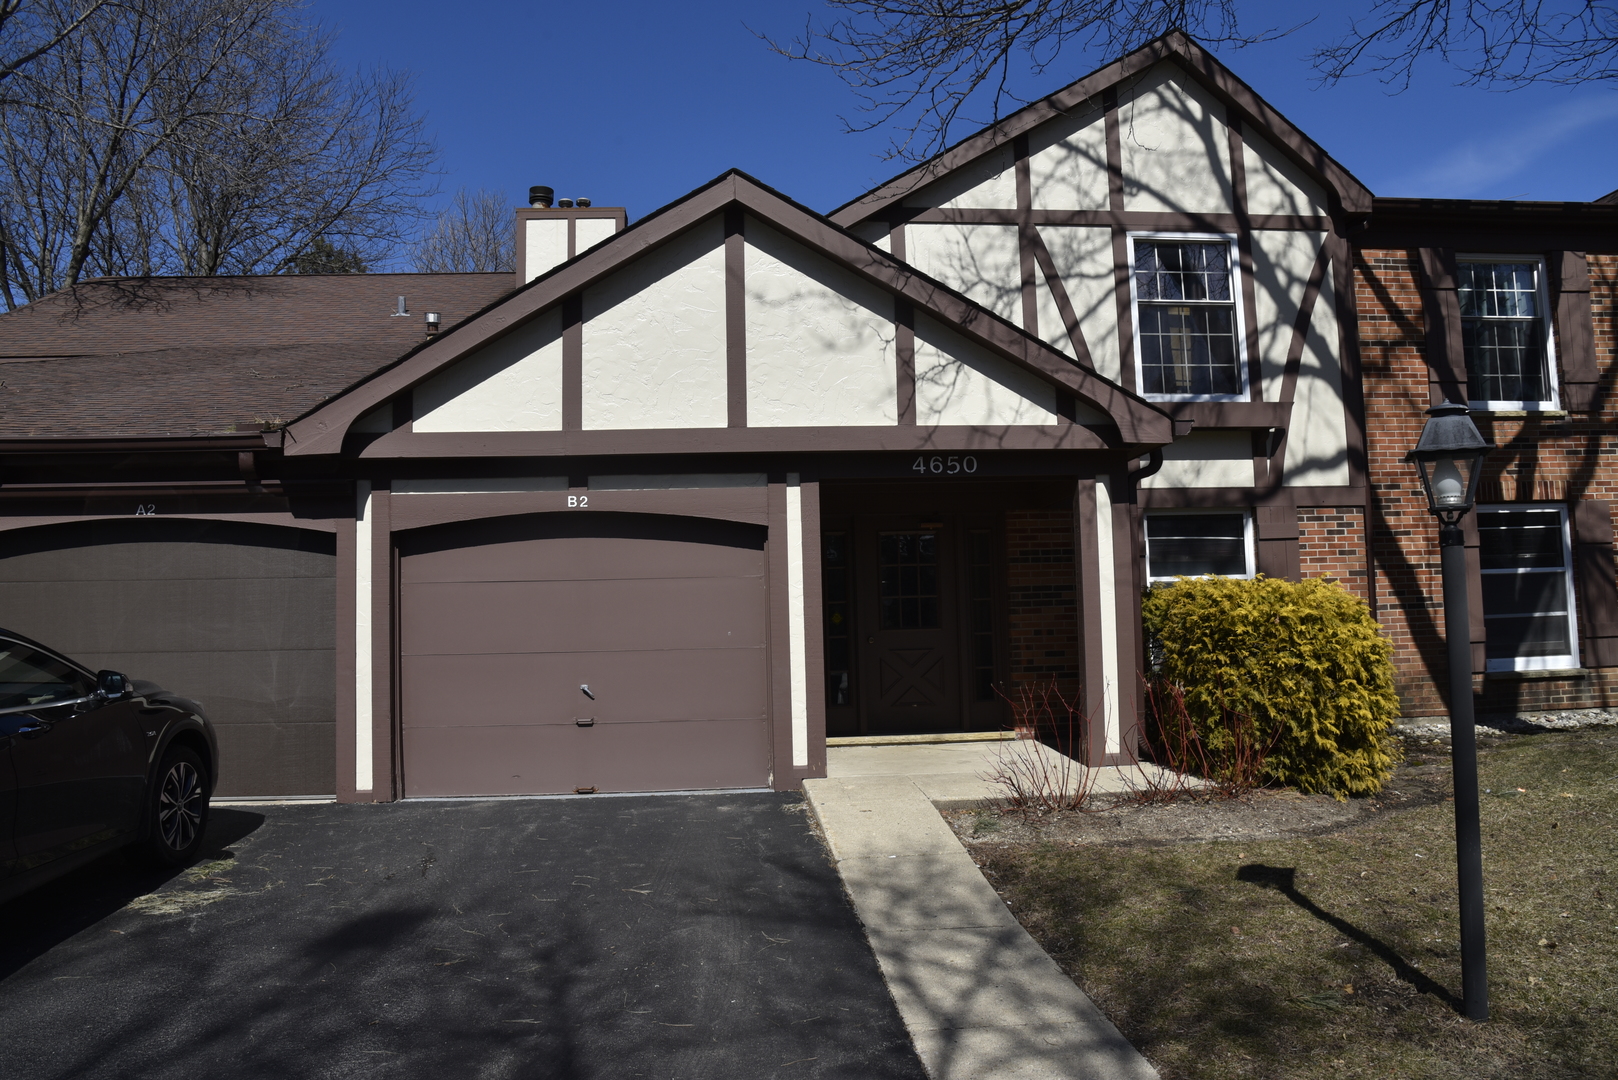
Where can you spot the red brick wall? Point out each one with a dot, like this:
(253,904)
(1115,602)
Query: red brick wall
(1541,459)
(1331,543)
(1042,600)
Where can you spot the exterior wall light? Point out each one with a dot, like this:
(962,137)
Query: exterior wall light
(1449,459)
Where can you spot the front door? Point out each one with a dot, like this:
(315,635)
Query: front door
(910,647)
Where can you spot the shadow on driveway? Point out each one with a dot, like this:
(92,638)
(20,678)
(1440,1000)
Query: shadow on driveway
(675,936)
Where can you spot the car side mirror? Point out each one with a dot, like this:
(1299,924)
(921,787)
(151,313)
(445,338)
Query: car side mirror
(111,685)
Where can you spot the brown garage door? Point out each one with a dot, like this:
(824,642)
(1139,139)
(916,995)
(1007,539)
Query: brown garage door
(503,621)
(239,617)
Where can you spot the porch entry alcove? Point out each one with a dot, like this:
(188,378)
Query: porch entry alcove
(921,582)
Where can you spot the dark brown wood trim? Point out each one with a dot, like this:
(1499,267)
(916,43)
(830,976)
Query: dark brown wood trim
(1300,324)
(904,353)
(1127,590)
(321,430)
(1474,595)
(1596,583)
(1025,236)
(1115,160)
(1132,220)
(1275,466)
(1244,254)
(735,318)
(1197,498)
(778,647)
(1276,530)
(382,647)
(202,444)
(282,519)
(1441,312)
(896,241)
(573,363)
(1569,274)
(1120,242)
(1232,414)
(413,511)
(344,612)
(1064,303)
(1198,62)
(814,631)
(740,441)
(1348,353)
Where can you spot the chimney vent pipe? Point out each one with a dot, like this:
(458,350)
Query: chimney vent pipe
(541,196)
(582,202)
(564,203)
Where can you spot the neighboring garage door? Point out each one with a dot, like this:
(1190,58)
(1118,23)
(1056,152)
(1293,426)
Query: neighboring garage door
(504,620)
(239,617)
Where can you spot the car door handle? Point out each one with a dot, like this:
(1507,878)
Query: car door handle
(33,729)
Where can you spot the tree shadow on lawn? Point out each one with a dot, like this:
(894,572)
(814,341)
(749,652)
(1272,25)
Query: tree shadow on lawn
(1283,879)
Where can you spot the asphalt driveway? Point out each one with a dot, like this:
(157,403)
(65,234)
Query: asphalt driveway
(702,937)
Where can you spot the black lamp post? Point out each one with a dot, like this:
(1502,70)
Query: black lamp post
(1449,456)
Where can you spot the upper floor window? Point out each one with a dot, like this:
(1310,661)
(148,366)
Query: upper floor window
(1188,339)
(1505,333)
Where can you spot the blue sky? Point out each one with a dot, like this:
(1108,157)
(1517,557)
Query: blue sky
(634,104)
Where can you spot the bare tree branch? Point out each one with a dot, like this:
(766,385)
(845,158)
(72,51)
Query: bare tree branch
(1492,42)
(928,68)
(476,233)
(198,137)
(37,45)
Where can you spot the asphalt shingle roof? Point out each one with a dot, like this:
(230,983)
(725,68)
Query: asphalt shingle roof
(178,357)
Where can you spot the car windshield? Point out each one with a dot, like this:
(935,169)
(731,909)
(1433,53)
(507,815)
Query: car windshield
(30,677)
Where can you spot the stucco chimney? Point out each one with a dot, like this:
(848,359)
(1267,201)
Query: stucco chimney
(549,235)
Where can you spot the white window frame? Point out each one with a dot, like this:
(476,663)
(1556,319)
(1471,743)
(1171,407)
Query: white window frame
(1230,241)
(1540,663)
(1249,549)
(1550,404)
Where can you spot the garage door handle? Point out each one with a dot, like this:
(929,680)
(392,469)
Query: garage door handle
(585,721)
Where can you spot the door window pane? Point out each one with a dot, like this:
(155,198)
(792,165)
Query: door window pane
(1527,588)
(1192,545)
(834,584)
(907,574)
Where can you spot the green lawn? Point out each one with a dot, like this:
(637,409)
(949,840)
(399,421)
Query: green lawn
(1337,955)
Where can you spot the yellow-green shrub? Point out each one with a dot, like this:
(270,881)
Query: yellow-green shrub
(1303,662)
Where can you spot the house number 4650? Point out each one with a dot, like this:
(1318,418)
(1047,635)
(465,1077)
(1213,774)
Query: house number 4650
(945,466)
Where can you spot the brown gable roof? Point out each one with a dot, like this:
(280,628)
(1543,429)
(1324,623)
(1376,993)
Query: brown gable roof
(1139,421)
(164,357)
(1219,80)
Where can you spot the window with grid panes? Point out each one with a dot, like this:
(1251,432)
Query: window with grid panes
(1504,334)
(1186,317)
(1524,559)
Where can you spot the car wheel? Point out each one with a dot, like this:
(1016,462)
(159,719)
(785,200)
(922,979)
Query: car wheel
(177,808)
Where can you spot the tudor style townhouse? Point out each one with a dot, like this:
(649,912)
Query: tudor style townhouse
(680,500)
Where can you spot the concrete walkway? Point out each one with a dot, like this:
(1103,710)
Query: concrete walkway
(980,998)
